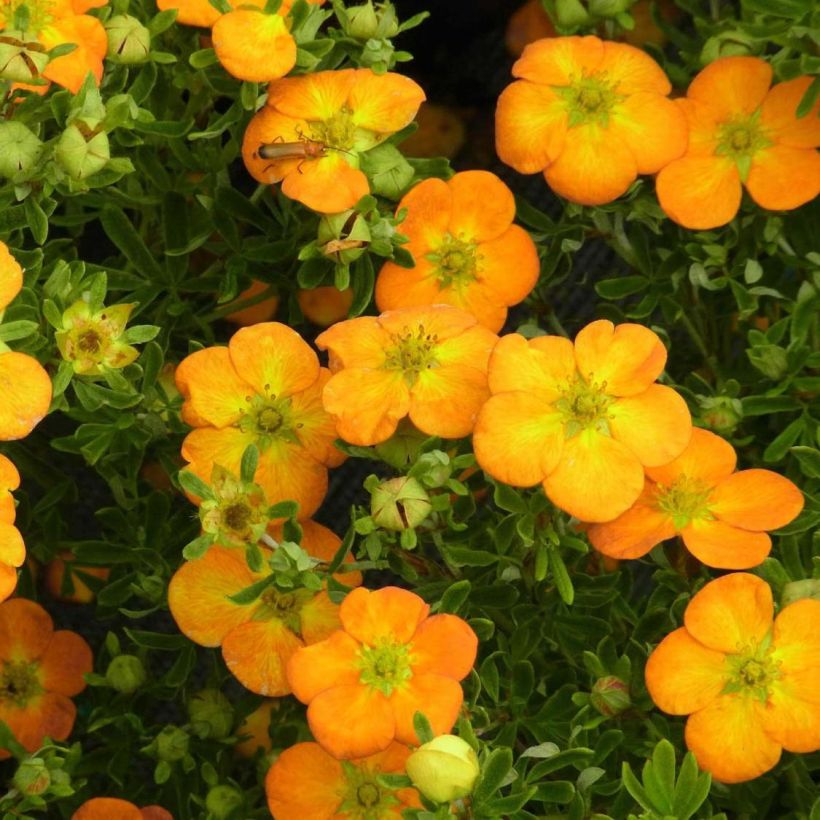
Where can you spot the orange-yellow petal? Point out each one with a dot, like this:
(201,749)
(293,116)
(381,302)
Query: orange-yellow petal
(359,342)
(628,357)
(543,366)
(12,546)
(318,618)
(756,500)
(8,581)
(530,126)
(205,446)
(720,545)
(257,653)
(389,613)
(700,192)
(254,46)
(427,217)
(268,127)
(728,739)
(305,783)
(66,659)
(327,185)
(26,630)
(731,612)
(70,70)
(198,595)
(9,476)
(517,439)
(11,276)
(634,533)
(107,808)
(483,207)
(796,648)
(632,70)
(288,472)
(49,714)
(352,721)
(732,86)
(383,103)
(508,266)
(445,401)
(683,676)
(597,477)
(26,390)
(559,60)
(444,645)
(191,12)
(443,321)
(655,425)
(315,427)
(312,97)
(707,457)
(255,729)
(778,115)
(782,178)
(319,666)
(437,697)
(274,359)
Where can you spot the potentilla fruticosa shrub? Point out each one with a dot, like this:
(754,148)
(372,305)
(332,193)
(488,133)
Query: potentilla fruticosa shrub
(340,480)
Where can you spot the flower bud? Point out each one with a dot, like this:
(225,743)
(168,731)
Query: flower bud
(401,449)
(343,237)
(81,152)
(434,468)
(211,714)
(399,504)
(444,769)
(172,744)
(32,776)
(610,696)
(796,590)
(367,21)
(609,8)
(126,674)
(20,150)
(22,59)
(721,414)
(129,41)
(570,13)
(223,801)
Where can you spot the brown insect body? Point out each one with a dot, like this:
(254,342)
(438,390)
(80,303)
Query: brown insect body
(304,149)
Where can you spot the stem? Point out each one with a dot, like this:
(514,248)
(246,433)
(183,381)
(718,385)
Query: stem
(700,343)
(269,541)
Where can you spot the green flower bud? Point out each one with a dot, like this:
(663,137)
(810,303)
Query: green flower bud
(22,59)
(401,449)
(399,504)
(571,13)
(20,151)
(172,744)
(721,414)
(368,21)
(610,696)
(222,802)
(126,674)
(32,776)
(211,714)
(445,769)
(609,8)
(129,41)
(343,237)
(80,152)
(796,590)
(435,468)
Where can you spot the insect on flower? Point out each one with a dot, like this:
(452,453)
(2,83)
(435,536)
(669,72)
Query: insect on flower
(304,148)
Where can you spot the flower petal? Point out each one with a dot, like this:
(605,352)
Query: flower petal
(26,630)
(517,439)
(543,366)
(720,545)
(8,581)
(707,457)
(273,359)
(728,739)
(11,276)
(12,546)
(66,659)
(509,265)
(444,645)
(70,70)
(257,653)
(731,612)
(198,595)
(791,720)
(26,390)
(206,446)
(322,665)
(782,178)
(700,193)
(107,808)
(632,70)
(682,675)
(268,126)
(778,115)
(443,321)
(49,714)
(530,126)
(483,206)
(437,697)
(559,60)
(732,86)
(796,647)
(445,401)
(384,103)
(389,613)
(597,478)
(628,357)
(9,476)
(428,205)
(318,618)
(315,427)
(312,97)
(288,472)
(305,782)
(352,721)
(356,342)
(756,500)
(327,185)
(191,12)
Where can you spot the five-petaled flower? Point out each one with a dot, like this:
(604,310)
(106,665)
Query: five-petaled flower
(749,685)
(113,808)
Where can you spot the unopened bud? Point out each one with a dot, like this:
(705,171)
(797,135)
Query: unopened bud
(721,414)
(129,41)
(20,150)
(32,777)
(126,674)
(610,696)
(211,714)
(445,769)
(571,13)
(609,8)
(22,59)
(172,744)
(399,504)
(797,590)
(222,802)
(367,21)
(401,449)
(81,152)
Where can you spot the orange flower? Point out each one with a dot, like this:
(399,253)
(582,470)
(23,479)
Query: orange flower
(112,808)
(65,564)
(256,729)
(11,277)
(41,671)
(592,115)
(257,639)
(467,251)
(318,124)
(12,548)
(56,22)
(750,687)
(741,133)
(26,391)
(721,515)
(364,683)
(427,363)
(324,305)
(260,312)
(306,782)
(254,46)
(584,420)
(265,389)
(201,13)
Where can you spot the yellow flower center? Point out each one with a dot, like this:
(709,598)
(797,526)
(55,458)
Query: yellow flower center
(337,132)
(740,138)
(269,418)
(89,341)
(368,795)
(455,262)
(19,682)
(237,516)
(584,405)
(753,671)
(27,15)
(684,500)
(282,606)
(411,352)
(363,797)
(589,99)
(385,666)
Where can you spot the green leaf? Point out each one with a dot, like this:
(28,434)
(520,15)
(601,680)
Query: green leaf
(621,286)
(659,776)
(494,771)
(455,596)
(36,219)
(249,463)
(691,789)
(250,594)
(809,458)
(121,232)
(634,787)
(561,577)
(194,485)
(421,725)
